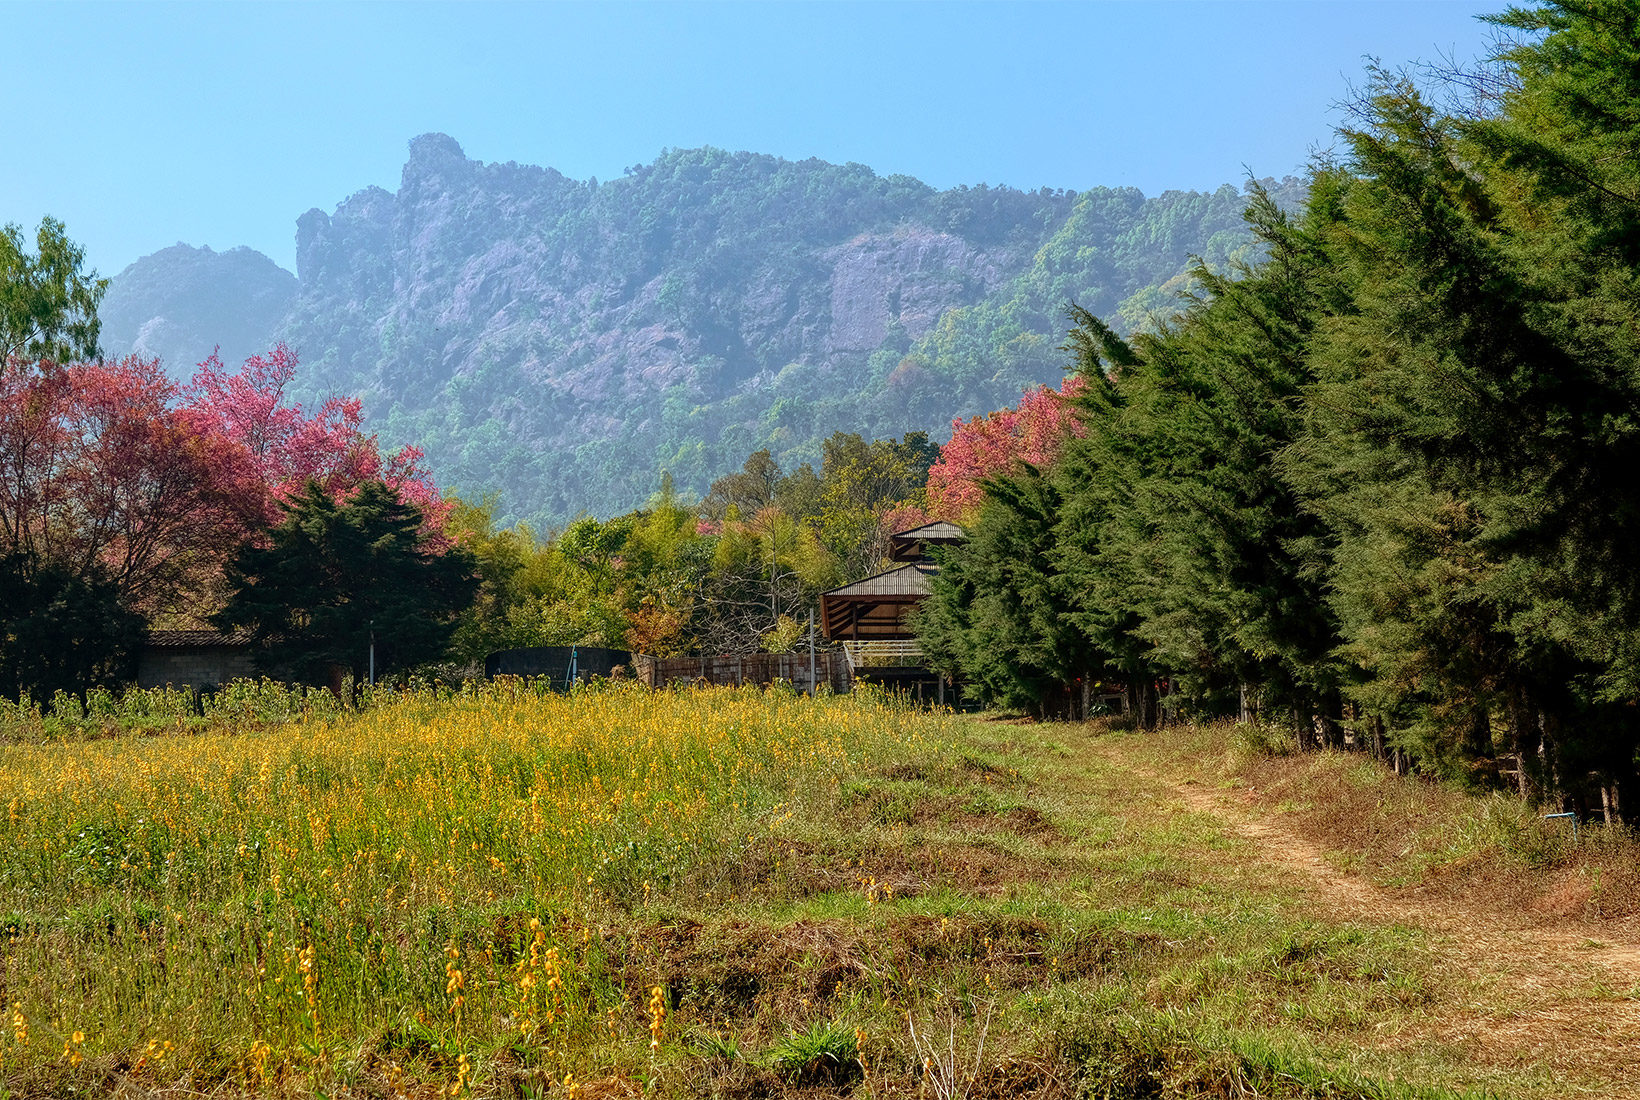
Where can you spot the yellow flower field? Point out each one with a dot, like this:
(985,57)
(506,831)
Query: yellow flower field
(415,886)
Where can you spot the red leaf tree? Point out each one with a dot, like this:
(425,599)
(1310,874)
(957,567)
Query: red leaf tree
(289,447)
(109,470)
(101,475)
(987,446)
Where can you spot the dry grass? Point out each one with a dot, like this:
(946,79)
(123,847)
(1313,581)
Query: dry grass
(1529,972)
(1478,848)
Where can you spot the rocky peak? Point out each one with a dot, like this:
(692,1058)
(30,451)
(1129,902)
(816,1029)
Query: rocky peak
(435,160)
(181,302)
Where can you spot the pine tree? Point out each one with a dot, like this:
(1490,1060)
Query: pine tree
(61,630)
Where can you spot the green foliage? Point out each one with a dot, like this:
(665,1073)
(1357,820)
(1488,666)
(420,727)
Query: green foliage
(61,632)
(861,481)
(48,306)
(1383,477)
(785,636)
(826,1054)
(737,573)
(694,306)
(999,613)
(336,578)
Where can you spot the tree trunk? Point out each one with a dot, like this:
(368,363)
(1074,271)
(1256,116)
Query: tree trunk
(1323,727)
(1477,742)
(338,680)
(1377,737)
(1304,725)
(1150,706)
(1528,742)
(1611,809)
(1548,729)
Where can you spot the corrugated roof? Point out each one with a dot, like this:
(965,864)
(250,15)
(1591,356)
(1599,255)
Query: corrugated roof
(930,532)
(196,639)
(907,580)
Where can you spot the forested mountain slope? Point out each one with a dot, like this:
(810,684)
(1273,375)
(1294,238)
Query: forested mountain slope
(179,303)
(562,341)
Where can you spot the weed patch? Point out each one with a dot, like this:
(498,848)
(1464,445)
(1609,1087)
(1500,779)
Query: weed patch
(701,893)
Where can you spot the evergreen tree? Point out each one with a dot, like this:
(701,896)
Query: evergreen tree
(335,574)
(998,614)
(1099,539)
(1220,554)
(1471,445)
(61,630)
(1394,461)
(1561,160)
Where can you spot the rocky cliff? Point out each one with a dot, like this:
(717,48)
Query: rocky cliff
(561,342)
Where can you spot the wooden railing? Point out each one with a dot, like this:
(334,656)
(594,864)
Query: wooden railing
(879,654)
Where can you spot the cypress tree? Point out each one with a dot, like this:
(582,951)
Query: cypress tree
(332,575)
(998,616)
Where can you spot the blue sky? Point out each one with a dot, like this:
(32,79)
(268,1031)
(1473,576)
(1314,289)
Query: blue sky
(141,125)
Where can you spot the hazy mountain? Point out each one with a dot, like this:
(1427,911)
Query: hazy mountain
(181,302)
(561,342)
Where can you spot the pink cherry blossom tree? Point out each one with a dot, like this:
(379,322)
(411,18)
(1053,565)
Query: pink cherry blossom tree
(987,446)
(288,446)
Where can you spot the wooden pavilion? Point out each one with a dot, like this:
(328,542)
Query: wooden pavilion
(870,617)
(875,609)
(914,545)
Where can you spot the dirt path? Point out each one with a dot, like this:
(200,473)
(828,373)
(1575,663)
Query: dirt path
(1611,945)
(1559,994)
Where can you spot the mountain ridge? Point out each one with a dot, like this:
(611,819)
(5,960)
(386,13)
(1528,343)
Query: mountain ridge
(560,342)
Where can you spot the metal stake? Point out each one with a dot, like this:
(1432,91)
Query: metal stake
(1573,816)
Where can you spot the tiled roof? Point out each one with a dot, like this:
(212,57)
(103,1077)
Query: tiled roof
(907,580)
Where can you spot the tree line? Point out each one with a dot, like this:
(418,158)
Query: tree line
(1382,484)
(1378,484)
(130,503)
(736,571)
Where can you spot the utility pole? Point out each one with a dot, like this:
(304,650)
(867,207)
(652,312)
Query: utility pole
(372,652)
(811,651)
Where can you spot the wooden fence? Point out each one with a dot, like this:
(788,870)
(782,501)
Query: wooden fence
(830,669)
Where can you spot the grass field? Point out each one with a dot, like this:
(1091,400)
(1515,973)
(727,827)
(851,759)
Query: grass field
(743,894)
